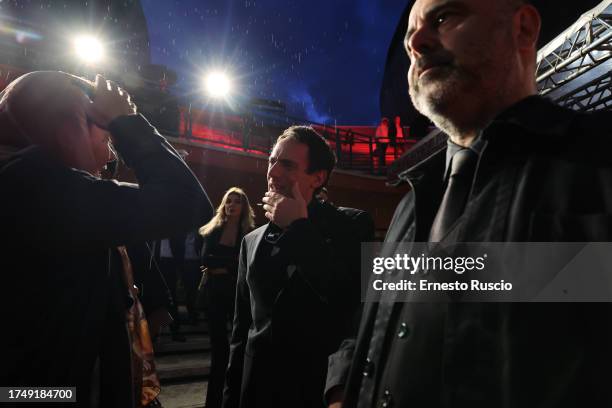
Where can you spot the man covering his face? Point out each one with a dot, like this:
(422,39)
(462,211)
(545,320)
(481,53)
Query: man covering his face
(63,295)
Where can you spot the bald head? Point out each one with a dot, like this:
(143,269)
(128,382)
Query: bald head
(58,102)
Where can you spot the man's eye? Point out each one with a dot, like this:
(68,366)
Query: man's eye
(442,18)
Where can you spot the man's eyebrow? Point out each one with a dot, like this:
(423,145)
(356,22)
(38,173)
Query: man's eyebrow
(286,162)
(433,10)
(453,4)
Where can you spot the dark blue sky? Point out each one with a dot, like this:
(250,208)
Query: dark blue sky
(323,58)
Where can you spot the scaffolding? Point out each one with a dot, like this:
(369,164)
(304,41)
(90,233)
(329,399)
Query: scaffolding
(574,68)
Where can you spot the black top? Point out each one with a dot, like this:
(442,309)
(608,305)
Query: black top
(216,255)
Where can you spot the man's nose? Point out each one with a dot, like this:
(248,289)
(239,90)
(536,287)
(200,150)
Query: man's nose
(273,170)
(422,41)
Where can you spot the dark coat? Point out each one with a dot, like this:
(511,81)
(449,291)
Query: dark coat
(153,291)
(545,175)
(63,302)
(281,341)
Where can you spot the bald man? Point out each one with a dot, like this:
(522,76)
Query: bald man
(531,171)
(64,289)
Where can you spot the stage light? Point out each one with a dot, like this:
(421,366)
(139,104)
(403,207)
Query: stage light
(218,84)
(89,49)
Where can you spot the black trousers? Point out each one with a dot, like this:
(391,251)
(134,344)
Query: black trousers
(191,276)
(220,295)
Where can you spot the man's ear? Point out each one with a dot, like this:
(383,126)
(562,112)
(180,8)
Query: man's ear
(527,24)
(319,178)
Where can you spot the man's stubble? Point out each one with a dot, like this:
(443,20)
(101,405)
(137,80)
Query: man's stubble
(462,98)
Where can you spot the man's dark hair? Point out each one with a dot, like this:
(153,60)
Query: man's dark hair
(320,154)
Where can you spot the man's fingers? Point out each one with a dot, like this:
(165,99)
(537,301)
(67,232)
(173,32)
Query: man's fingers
(111,85)
(124,93)
(109,102)
(268,216)
(272,198)
(100,81)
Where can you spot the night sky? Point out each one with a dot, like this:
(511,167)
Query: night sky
(324,59)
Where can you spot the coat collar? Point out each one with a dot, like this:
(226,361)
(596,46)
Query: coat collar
(255,238)
(534,115)
(317,212)
(415,174)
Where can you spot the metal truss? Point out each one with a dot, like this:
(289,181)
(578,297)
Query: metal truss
(596,95)
(586,45)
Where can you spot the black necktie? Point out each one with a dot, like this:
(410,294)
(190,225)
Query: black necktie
(455,197)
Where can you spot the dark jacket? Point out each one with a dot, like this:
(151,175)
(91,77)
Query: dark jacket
(153,291)
(281,341)
(544,175)
(63,298)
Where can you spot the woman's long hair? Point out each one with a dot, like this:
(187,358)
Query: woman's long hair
(247,215)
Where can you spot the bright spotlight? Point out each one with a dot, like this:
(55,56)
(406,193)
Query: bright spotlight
(89,49)
(218,84)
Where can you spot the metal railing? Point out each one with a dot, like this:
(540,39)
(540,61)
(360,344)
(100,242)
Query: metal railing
(355,150)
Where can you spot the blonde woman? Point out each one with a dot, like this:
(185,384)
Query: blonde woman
(222,236)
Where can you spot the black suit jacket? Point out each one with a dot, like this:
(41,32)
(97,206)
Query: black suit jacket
(280,347)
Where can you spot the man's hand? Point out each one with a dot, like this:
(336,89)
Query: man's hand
(282,210)
(109,102)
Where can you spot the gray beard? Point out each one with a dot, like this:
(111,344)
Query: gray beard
(444,94)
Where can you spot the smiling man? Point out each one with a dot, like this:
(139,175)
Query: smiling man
(515,169)
(298,284)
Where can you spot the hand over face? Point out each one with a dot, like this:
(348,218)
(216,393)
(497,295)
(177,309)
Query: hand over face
(109,102)
(283,210)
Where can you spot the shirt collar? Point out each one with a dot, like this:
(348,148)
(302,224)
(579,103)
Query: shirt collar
(477,147)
